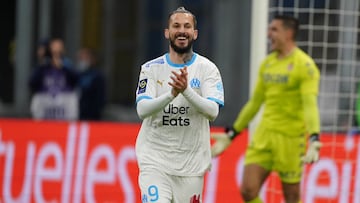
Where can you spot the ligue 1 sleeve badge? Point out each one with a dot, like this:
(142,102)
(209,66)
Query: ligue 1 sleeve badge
(142,86)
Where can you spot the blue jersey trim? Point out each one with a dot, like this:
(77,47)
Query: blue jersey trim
(221,103)
(143,97)
(167,56)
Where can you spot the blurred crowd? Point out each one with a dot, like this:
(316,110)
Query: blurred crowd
(62,89)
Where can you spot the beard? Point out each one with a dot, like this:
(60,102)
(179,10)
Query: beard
(181,50)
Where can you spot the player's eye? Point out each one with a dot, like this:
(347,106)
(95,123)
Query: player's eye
(176,25)
(188,25)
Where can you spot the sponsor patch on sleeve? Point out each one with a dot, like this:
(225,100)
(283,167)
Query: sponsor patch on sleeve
(142,86)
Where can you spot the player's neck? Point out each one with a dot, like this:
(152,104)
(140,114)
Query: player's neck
(286,51)
(180,58)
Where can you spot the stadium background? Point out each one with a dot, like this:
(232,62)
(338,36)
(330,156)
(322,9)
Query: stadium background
(127,33)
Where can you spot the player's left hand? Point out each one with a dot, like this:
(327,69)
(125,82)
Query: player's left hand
(222,142)
(179,81)
(312,154)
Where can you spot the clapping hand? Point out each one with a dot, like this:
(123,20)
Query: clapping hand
(179,81)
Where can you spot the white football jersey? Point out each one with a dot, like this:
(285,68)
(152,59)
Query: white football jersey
(177,139)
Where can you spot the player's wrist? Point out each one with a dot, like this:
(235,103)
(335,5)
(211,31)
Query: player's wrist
(231,132)
(314,137)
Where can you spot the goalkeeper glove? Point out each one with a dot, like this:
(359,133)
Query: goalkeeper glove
(312,153)
(222,141)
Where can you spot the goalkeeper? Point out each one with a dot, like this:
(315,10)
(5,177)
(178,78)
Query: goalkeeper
(287,86)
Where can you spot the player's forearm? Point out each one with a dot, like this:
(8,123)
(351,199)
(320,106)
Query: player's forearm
(147,107)
(311,113)
(246,114)
(207,107)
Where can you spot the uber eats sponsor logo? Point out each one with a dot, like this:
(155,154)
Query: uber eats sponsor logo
(179,113)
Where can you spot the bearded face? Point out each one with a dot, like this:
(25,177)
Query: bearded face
(181,32)
(181,43)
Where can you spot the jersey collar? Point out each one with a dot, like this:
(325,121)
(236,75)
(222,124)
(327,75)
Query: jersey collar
(176,65)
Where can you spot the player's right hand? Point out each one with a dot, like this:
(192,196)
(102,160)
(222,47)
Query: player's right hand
(222,142)
(312,154)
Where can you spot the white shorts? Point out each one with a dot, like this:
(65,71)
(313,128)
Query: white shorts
(159,187)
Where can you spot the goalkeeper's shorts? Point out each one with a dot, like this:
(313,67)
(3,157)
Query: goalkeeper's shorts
(278,152)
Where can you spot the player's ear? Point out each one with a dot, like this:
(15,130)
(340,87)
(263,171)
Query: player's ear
(166,33)
(289,34)
(195,34)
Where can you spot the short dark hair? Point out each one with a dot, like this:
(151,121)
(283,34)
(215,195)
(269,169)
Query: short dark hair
(182,10)
(289,22)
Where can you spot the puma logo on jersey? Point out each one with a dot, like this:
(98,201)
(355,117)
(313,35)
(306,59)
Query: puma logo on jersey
(160,82)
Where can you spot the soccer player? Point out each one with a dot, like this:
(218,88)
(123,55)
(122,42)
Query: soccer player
(287,86)
(178,94)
